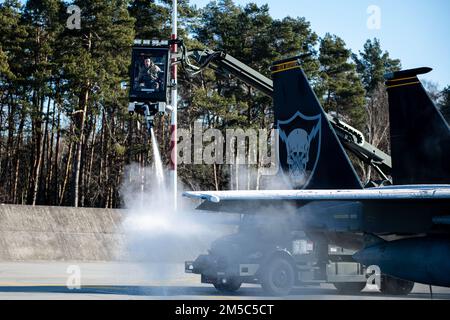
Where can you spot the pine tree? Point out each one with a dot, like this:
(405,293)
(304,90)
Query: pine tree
(340,88)
(152,19)
(95,60)
(12,37)
(41,19)
(4,66)
(445,103)
(373,63)
(13,97)
(294,37)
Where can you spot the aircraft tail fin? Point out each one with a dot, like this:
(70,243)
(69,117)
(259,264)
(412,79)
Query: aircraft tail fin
(310,153)
(420,136)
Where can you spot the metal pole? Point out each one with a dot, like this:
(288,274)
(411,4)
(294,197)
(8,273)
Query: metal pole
(174,103)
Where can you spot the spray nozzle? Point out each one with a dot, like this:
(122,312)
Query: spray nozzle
(149,113)
(148,110)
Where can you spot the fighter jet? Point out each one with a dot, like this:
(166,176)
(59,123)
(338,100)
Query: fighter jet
(403,228)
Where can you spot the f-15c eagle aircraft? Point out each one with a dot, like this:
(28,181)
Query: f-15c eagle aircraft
(404,228)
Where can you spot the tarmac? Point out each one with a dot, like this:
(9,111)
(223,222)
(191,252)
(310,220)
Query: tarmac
(68,253)
(135,281)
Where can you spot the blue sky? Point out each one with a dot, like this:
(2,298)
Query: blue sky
(415,31)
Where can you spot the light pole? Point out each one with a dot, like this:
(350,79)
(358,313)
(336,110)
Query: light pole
(174,103)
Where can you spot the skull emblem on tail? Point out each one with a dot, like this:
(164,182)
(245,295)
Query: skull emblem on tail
(298,154)
(298,146)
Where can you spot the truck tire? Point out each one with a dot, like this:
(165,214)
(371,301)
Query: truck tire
(394,286)
(349,287)
(278,277)
(232,285)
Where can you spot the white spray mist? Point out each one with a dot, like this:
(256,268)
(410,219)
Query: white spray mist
(158,238)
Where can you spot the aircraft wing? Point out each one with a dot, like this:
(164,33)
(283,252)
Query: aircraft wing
(383,193)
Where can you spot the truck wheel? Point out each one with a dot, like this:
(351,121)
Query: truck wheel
(394,286)
(232,285)
(278,277)
(349,287)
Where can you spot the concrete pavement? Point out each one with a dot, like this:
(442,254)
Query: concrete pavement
(101,280)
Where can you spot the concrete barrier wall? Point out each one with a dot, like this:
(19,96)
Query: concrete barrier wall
(60,233)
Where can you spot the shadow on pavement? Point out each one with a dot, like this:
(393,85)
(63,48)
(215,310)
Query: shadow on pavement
(199,292)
